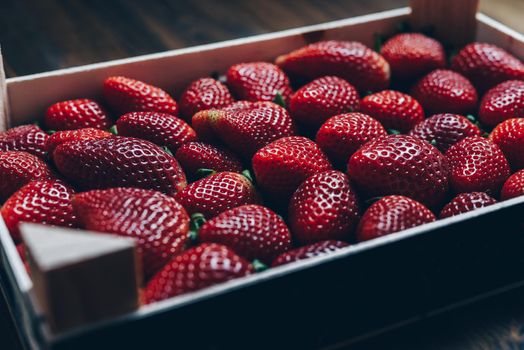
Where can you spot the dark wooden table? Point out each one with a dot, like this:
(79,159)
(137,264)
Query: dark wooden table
(37,36)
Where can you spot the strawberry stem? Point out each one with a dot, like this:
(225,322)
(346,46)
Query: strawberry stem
(247,174)
(113,130)
(258,265)
(203,172)
(195,223)
(279,100)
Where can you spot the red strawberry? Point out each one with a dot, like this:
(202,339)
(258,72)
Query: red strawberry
(350,60)
(26,138)
(258,81)
(444,130)
(392,214)
(324,97)
(513,187)
(400,164)
(216,193)
(487,65)
(126,95)
(509,136)
(504,101)
(76,114)
(196,268)
(43,201)
(204,93)
(119,161)
(465,202)
(324,206)
(159,224)
(201,122)
(411,55)
(309,251)
(342,135)
(61,137)
(252,231)
(444,91)
(159,128)
(477,165)
(283,165)
(393,109)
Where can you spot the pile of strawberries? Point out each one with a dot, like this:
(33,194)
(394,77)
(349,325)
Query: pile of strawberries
(274,163)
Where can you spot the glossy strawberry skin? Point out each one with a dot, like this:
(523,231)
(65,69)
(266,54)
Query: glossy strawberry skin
(323,98)
(202,94)
(403,165)
(502,102)
(119,162)
(477,165)
(252,231)
(392,214)
(465,202)
(349,60)
(157,222)
(26,138)
(77,114)
(513,187)
(64,136)
(126,95)
(444,130)
(309,251)
(509,136)
(196,268)
(393,109)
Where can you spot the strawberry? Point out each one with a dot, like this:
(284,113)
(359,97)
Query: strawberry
(216,193)
(76,114)
(309,251)
(42,201)
(324,207)
(119,161)
(509,136)
(158,222)
(362,67)
(160,128)
(513,187)
(392,214)
(283,165)
(126,95)
(64,136)
(252,231)
(487,65)
(393,109)
(26,138)
(465,202)
(444,130)
(258,81)
(403,165)
(502,102)
(324,97)
(445,91)
(201,122)
(342,135)
(197,268)
(201,94)
(477,165)
(412,55)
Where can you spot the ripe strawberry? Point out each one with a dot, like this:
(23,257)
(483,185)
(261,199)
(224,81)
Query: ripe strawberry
(252,231)
(258,81)
(465,202)
(158,222)
(487,65)
(392,214)
(323,207)
(502,102)
(76,114)
(513,187)
(196,268)
(64,136)
(403,165)
(445,91)
(126,95)
(324,97)
(342,135)
(362,67)
(204,93)
(160,128)
(42,201)
(201,122)
(393,109)
(119,161)
(26,138)
(477,165)
(283,165)
(444,130)
(216,193)
(412,55)
(309,251)
(509,136)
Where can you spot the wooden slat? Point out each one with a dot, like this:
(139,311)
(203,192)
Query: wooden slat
(4,103)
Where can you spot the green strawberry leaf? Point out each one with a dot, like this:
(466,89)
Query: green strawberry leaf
(247,174)
(168,151)
(279,100)
(379,41)
(202,173)
(51,132)
(258,265)
(393,132)
(113,130)
(195,223)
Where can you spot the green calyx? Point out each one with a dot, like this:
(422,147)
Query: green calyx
(258,265)
(247,174)
(378,41)
(279,100)
(195,223)
(393,132)
(113,130)
(372,200)
(51,132)
(168,151)
(203,172)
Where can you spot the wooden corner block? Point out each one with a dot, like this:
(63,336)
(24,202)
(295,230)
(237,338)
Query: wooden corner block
(81,277)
